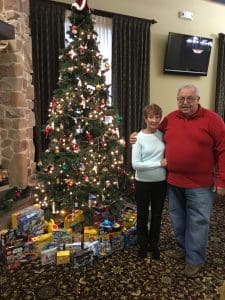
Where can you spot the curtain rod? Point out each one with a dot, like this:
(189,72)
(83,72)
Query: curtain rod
(111,14)
(108,14)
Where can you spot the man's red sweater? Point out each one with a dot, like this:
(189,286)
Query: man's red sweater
(195,149)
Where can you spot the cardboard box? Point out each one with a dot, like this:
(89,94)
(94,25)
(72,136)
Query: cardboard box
(19,253)
(29,220)
(82,258)
(117,241)
(90,233)
(63,257)
(48,256)
(130,237)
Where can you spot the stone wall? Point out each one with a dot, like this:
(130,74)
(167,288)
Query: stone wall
(16,97)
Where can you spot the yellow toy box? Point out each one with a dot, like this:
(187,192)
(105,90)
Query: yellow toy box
(63,257)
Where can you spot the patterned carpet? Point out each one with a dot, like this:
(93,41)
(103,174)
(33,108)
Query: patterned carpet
(123,276)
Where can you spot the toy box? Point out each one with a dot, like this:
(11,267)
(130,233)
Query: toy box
(82,258)
(73,247)
(130,237)
(41,241)
(90,233)
(17,254)
(10,237)
(29,220)
(94,246)
(62,236)
(48,256)
(50,225)
(117,241)
(74,220)
(105,247)
(77,237)
(63,257)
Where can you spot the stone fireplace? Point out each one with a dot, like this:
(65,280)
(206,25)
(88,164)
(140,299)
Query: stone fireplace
(16,96)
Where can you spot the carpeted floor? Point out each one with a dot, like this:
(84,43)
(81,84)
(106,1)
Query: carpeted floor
(123,276)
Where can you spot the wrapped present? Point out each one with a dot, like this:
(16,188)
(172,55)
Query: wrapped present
(63,257)
(82,258)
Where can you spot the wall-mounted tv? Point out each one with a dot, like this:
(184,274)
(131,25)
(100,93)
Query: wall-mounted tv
(187,54)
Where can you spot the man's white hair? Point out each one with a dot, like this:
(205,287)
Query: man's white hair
(189,86)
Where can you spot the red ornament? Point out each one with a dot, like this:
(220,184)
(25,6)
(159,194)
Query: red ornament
(81,51)
(122,172)
(48,129)
(76,147)
(18,194)
(54,102)
(88,136)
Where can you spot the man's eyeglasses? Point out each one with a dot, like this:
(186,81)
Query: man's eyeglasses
(188,99)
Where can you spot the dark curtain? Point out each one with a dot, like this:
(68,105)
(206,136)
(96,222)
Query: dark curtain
(130,73)
(220,79)
(47,30)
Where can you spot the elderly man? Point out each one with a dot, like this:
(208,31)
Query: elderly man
(195,153)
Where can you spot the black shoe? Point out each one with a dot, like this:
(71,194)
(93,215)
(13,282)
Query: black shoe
(155,253)
(142,253)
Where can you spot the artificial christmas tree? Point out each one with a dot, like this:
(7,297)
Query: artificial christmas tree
(83,165)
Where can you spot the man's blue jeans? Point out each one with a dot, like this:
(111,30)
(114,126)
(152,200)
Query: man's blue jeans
(190,211)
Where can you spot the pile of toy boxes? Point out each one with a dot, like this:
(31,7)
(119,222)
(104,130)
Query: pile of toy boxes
(16,243)
(76,244)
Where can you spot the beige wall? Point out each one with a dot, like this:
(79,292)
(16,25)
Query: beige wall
(208,21)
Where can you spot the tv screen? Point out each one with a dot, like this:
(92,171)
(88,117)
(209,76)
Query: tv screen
(187,54)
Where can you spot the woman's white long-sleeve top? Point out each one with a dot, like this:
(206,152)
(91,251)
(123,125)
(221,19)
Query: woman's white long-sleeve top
(147,153)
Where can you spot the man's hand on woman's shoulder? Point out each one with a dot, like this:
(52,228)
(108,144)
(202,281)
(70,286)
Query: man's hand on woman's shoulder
(133,137)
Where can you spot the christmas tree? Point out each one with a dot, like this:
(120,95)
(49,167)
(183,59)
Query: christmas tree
(83,165)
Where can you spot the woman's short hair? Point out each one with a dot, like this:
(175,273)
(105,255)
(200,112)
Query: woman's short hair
(152,109)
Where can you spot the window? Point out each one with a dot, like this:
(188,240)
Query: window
(103,27)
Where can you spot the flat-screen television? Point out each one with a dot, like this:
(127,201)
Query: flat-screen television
(187,54)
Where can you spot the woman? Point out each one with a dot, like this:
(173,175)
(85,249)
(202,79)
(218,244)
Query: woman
(150,181)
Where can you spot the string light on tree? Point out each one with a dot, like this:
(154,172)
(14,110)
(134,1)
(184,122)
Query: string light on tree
(85,151)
